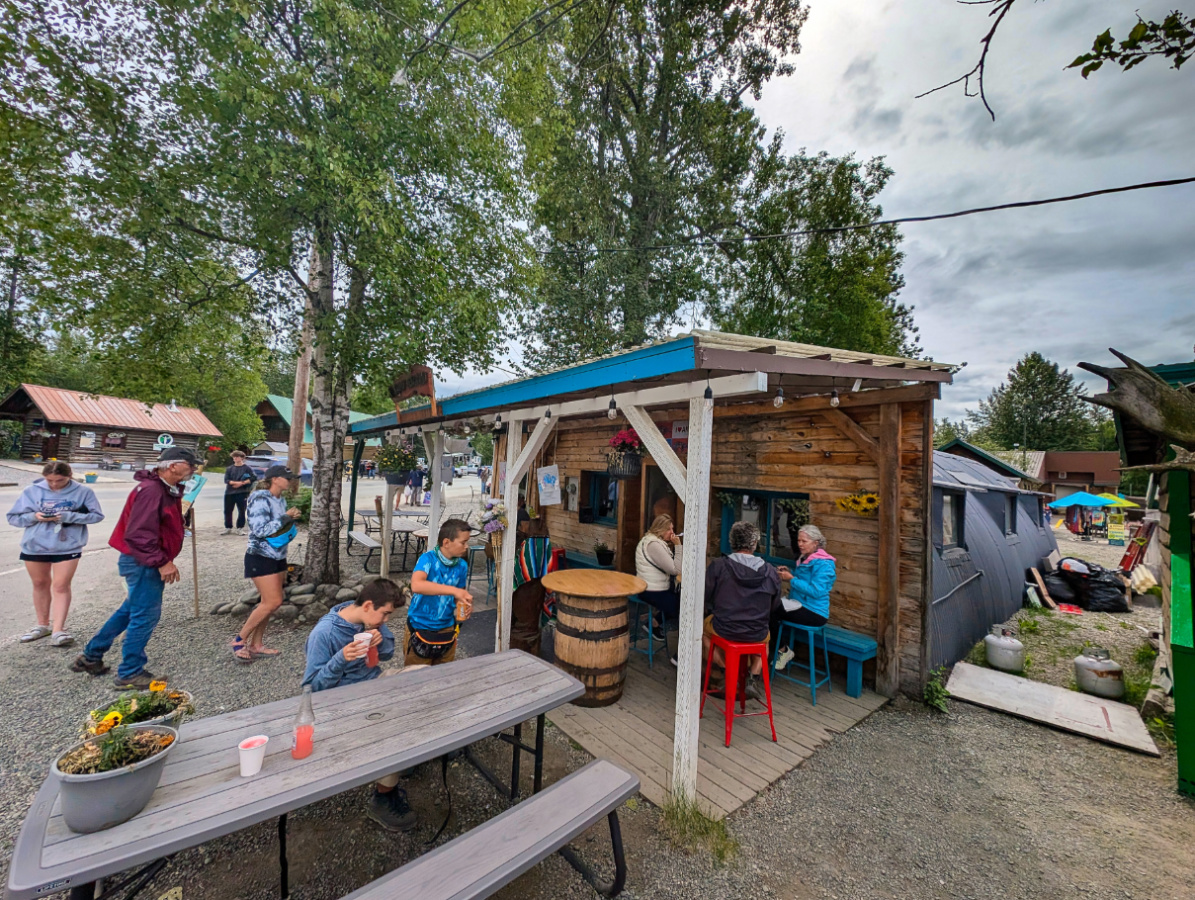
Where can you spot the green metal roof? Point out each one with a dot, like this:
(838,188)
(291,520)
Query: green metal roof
(286,406)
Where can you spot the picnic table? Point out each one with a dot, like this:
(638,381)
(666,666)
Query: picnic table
(362,732)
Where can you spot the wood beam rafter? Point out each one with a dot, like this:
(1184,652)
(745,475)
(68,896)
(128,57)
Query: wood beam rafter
(664,456)
(854,431)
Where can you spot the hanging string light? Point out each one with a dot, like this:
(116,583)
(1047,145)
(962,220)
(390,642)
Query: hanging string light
(834,398)
(779,399)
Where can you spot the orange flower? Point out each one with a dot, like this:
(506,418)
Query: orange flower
(157,685)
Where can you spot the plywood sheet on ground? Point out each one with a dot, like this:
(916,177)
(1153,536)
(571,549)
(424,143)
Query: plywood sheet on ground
(637,734)
(1093,717)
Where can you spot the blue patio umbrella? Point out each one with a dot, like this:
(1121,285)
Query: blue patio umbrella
(1081,498)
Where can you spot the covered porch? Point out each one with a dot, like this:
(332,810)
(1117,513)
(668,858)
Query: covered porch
(733,427)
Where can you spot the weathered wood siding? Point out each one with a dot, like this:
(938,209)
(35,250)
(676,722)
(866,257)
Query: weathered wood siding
(138,444)
(767,451)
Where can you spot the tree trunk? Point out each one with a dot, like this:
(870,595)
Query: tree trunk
(329,423)
(316,276)
(10,320)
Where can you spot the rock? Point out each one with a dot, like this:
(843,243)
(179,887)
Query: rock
(226,608)
(302,599)
(240,609)
(345,594)
(253,601)
(315,610)
(250,596)
(366,579)
(302,589)
(286,612)
(217,609)
(328,590)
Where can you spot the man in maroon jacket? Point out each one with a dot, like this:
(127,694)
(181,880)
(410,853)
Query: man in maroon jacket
(149,535)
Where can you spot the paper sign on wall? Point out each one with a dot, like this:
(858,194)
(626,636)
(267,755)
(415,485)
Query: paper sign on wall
(548,479)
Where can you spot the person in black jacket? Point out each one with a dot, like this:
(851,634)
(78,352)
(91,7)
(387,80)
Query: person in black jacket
(743,590)
(238,480)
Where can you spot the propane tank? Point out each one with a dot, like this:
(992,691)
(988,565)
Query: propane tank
(1097,673)
(1004,651)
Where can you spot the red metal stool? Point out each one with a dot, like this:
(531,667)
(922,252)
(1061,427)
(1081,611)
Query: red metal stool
(734,655)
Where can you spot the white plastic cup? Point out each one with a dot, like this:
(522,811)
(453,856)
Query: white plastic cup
(363,640)
(253,754)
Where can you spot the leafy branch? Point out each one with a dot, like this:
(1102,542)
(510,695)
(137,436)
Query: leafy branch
(1173,38)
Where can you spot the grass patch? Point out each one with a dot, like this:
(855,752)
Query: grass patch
(978,655)
(1145,655)
(1162,730)
(689,828)
(935,689)
(1101,627)
(1030,626)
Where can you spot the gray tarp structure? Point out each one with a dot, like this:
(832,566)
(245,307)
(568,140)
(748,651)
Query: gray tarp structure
(993,541)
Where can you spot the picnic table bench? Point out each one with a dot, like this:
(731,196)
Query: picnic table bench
(362,732)
(857,649)
(493,854)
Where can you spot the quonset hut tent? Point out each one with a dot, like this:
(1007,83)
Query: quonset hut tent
(987,533)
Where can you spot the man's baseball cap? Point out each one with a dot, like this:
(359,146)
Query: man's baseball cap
(278,472)
(178,454)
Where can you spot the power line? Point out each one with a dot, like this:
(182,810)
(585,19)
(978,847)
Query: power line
(750,238)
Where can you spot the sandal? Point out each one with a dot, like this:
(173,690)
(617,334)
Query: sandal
(36,633)
(62,639)
(240,651)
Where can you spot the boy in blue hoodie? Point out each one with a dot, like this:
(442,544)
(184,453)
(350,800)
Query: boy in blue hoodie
(335,659)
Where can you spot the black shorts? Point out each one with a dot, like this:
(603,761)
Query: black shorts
(50,557)
(257,566)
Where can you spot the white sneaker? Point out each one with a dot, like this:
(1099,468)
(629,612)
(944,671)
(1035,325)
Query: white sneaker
(228,531)
(785,656)
(242,531)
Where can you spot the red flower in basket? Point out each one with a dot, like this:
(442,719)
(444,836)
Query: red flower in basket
(626,441)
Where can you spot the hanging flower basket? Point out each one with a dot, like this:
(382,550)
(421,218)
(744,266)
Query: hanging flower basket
(625,458)
(400,477)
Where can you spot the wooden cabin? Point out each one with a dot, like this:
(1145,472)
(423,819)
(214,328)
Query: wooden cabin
(87,429)
(735,427)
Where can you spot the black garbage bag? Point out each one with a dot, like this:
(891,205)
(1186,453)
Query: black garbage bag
(1059,587)
(1105,593)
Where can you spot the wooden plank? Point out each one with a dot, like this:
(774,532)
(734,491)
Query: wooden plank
(1093,717)
(501,849)
(203,796)
(437,477)
(506,560)
(665,457)
(1041,586)
(888,580)
(697,518)
(849,400)
(851,429)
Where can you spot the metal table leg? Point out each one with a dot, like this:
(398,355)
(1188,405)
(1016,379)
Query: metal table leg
(516,740)
(282,864)
(607,889)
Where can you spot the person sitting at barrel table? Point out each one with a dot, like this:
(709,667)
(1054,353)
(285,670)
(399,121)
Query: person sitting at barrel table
(808,586)
(657,561)
(744,590)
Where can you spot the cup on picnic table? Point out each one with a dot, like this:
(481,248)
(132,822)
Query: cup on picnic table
(253,754)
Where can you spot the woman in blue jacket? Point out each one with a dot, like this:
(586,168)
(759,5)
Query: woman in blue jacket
(807,601)
(54,511)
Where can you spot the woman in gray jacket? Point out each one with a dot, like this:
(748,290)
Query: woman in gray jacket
(54,511)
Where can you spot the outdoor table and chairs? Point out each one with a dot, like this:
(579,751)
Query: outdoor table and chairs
(362,732)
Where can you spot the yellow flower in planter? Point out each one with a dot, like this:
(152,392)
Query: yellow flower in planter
(157,685)
(109,722)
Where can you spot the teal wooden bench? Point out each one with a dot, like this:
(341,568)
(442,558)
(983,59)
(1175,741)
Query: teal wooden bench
(578,560)
(857,649)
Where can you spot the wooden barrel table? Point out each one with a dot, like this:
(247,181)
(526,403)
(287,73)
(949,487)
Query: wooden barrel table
(592,629)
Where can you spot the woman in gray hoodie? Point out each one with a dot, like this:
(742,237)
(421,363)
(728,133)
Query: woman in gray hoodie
(54,511)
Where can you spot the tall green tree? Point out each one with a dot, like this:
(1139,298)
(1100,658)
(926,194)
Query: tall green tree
(1039,407)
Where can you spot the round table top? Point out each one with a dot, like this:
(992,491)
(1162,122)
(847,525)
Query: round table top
(593,583)
(419,533)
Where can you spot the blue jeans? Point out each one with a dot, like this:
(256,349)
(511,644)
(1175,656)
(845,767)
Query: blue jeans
(136,618)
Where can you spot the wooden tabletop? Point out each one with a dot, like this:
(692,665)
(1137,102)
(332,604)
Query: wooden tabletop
(362,732)
(593,583)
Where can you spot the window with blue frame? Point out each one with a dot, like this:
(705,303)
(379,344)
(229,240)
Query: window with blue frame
(603,497)
(777,515)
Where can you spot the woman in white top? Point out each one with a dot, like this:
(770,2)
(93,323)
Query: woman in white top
(657,561)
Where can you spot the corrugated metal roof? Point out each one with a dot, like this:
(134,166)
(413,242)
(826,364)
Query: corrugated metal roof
(1029,462)
(967,473)
(77,408)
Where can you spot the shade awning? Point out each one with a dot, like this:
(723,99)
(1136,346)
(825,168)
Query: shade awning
(1081,498)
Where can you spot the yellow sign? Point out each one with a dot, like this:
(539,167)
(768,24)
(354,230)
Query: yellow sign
(1116,529)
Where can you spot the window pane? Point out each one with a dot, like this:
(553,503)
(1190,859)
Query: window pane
(1010,514)
(787,518)
(949,532)
(753,509)
(605,496)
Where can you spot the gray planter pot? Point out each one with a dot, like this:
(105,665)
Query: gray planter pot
(95,802)
(173,720)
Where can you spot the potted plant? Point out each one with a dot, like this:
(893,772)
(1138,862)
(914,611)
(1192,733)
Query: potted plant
(109,777)
(625,456)
(396,461)
(494,522)
(605,556)
(157,706)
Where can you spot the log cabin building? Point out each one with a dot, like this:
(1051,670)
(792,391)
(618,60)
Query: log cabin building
(93,429)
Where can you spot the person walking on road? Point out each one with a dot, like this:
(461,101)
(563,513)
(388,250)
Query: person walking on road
(148,535)
(54,511)
(271,529)
(238,480)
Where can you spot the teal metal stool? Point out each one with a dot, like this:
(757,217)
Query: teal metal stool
(816,678)
(637,607)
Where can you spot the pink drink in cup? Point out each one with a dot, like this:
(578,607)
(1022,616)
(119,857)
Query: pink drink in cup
(363,639)
(253,753)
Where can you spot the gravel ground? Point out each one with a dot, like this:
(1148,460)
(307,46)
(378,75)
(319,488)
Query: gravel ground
(19,477)
(910,804)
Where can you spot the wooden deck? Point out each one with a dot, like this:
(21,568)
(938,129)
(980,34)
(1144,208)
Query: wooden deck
(637,732)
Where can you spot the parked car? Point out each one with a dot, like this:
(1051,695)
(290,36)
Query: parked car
(259,464)
(466,470)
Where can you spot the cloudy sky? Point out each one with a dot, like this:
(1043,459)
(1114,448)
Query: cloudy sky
(1069,280)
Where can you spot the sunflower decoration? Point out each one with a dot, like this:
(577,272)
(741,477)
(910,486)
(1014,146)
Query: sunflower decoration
(861,503)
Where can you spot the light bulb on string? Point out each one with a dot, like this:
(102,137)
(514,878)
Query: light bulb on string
(779,399)
(612,412)
(834,398)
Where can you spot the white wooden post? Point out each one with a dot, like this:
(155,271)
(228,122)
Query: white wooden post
(516,467)
(436,474)
(505,574)
(692,601)
(387,527)
(664,456)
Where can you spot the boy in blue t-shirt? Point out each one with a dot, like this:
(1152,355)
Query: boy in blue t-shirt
(439,582)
